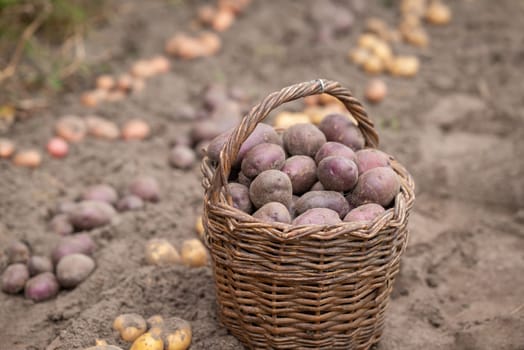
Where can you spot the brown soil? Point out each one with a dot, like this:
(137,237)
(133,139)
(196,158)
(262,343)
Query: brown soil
(458,127)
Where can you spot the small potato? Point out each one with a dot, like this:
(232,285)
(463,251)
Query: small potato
(366,212)
(199,227)
(73,269)
(318,216)
(370,158)
(205,14)
(145,187)
(14,278)
(7,148)
(182,157)
(374,65)
(404,66)
(337,173)
(135,129)
(101,192)
(151,340)
(160,64)
(334,149)
(160,252)
(39,264)
(377,185)
(271,186)
(223,20)
(204,130)
(322,199)
(339,128)
(130,326)
(61,225)
(42,287)
(193,253)
(262,157)
(18,252)
(90,214)
(359,55)
(303,139)
(64,207)
(102,128)
(176,334)
(438,13)
(284,120)
(79,243)
(155,321)
(273,212)
(240,197)
(71,128)
(302,172)
(57,148)
(129,202)
(317,187)
(92,98)
(376,90)
(29,158)
(105,82)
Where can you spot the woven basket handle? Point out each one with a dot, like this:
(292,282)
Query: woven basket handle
(259,112)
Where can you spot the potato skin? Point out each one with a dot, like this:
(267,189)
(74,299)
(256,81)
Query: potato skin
(303,139)
(339,128)
(61,225)
(79,243)
(334,149)
(145,187)
(39,264)
(273,212)
(240,196)
(101,193)
(73,269)
(90,214)
(18,252)
(271,186)
(14,278)
(193,253)
(302,172)
(322,199)
(370,158)
(317,186)
(159,251)
(365,212)
(337,173)
(377,185)
(317,216)
(42,287)
(130,326)
(264,156)
(130,202)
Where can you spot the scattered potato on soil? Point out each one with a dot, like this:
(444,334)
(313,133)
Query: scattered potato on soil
(334,149)
(142,69)
(222,20)
(373,65)
(155,321)
(322,199)
(92,98)
(129,202)
(151,340)
(339,128)
(199,227)
(105,82)
(262,157)
(337,173)
(29,158)
(7,148)
(102,128)
(18,252)
(176,334)
(193,253)
(80,243)
(90,214)
(14,278)
(376,90)
(57,147)
(188,48)
(271,186)
(42,287)
(135,129)
(318,216)
(160,252)
(160,64)
(182,157)
(302,172)
(367,41)
(130,326)
(145,187)
(73,269)
(205,14)
(273,212)
(366,212)
(71,128)
(404,66)
(438,13)
(370,158)
(125,82)
(235,6)
(377,185)
(64,207)
(39,264)
(240,197)
(284,120)
(359,55)
(101,192)
(303,139)
(61,225)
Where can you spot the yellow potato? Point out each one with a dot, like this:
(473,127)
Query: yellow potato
(160,252)
(155,321)
(199,227)
(130,326)
(151,340)
(374,65)
(176,334)
(317,114)
(382,51)
(367,41)
(416,36)
(438,13)
(194,253)
(286,119)
(404,66)
(359,55)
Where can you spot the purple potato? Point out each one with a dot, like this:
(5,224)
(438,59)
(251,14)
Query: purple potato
(322,199)
(39,264)
(100,193)
(318,216)
(339,128)
(61,225)
(243,179)
(273,212)
(370,158)
(240,196)
(79,243)
(14,278)
(145,187)
(73,269)
(271,186)
(18,252)
(129,202)
(182,157)
(334,149)
(91,214)
(214,96)
(337,173)
(365,212)
(262,157)
(302,172)
(42,287)
(377,185)
(303,139)
(317,187)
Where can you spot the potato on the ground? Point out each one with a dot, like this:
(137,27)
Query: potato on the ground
(42,287)
(73,269)
(273,212)
(102,128)
(135,129)
(160,252)
(14,278)
(339,128)
(151,340)
(182,157)
(370,158)
(378,185)
(18,252)
(176,333)
(376,90)
(39,264)
(130,326)
(129,202)
(193,253)
(57,147)
(302,172)
(71,128)
(334,149)
(64,207)
(7,148)
(145,187)
(337,173)
(155,321)
(28,158)
(322,199)
(365,212)
(240,196)
(317,216)
(101,192)
(80,243)
(271,186)
(262,157)
(61,225)
(90,214)
(303,139)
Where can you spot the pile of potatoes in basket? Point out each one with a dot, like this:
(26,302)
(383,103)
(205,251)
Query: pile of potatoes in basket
(310,175)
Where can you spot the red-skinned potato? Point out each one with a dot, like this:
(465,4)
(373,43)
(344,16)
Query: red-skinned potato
(262,157)
(18,252)
(61,225)
(365,212)
(129,202)
(337,173)
(14,278)
(73,269)
(39,264)
(42,287)
(145,187)
(334,149)
(317,216)
(271,186)
(130,326)
(302,172)
(322,199)
(90,214)
(273,212)
(303,139)
(240,196)
(378,185)
(79,243)
(339,128)
(101,193)
(57,147)
(370,158)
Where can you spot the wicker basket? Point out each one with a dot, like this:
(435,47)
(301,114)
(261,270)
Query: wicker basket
(302,287)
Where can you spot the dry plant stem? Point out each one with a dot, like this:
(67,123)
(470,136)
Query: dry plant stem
(28,33)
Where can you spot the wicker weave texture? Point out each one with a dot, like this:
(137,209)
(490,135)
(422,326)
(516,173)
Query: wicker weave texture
(302,287)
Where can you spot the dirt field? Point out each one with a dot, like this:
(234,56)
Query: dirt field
(458,126)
